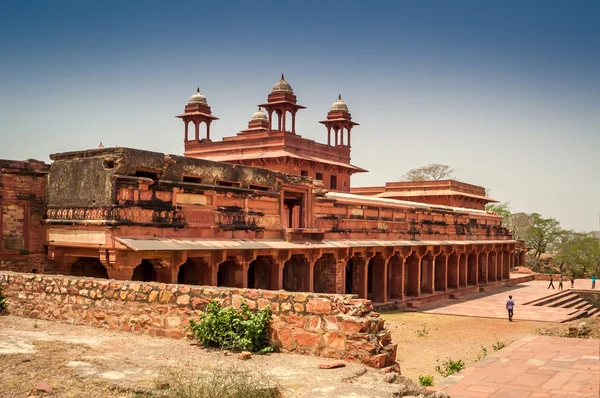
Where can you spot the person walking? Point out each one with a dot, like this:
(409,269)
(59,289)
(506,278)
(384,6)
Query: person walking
(572,282)
(510,305)
(593,281)
(560,285)
(551,282)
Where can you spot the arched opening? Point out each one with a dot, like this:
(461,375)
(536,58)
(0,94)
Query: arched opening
(395,277)
(427,273)
(263,273)
(453,271)
(463,272)
(195,271)
(484,266)
(325,274)
(492,262)
(230,274)
(144,272)
(296,274)
(89,267)
(356,277)
(413,275)
(377,279)
(506,265)
(441,273)
(472,268)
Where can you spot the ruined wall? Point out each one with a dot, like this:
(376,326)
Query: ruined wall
(335,326)
(22,195)
(29,263)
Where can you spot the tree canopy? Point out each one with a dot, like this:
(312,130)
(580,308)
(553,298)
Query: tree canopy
(430,172)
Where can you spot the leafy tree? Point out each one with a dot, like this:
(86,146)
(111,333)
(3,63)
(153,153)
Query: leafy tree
(542,234)
(519,224)
(500,209)
(578,254)
(430,172)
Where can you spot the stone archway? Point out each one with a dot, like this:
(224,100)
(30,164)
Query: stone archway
(230,273)
(356,276)
(472,268)
(427,273)
(89,267)
(441,273)
(325,274)
(296,274)
(413,275)
(483,266)
(395,277)
(145,272)
(195,271)
(453,271)
(263,273)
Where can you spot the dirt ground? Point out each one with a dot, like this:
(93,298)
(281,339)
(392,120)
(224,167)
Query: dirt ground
(82,361)
(424,338)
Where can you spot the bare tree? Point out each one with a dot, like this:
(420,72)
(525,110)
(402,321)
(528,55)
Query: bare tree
(430,172)
(519,224)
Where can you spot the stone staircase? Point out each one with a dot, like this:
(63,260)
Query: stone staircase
(571,300)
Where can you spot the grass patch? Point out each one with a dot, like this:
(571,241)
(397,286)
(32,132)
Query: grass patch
(218,382)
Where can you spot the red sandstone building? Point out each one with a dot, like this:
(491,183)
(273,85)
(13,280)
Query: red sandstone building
(266,209)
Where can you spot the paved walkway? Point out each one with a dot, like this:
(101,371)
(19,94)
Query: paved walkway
(534,366)
(492,304)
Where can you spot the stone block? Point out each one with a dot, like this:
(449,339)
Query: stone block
(307,340)
(318,306)
(183,300)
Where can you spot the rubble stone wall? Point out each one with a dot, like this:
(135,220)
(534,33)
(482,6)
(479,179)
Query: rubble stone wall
(329,325)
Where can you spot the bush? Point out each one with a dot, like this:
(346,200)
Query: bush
(498,345)
(2,301)
(231,329)
(218,382)
(423,332)
(449,367)
(426,380)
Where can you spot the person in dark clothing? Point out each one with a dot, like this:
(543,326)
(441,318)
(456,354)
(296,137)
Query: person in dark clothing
(560,285)
(551,282)
(510,305)
(572,282)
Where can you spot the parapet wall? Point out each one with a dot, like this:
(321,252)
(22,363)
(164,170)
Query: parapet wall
(330,325)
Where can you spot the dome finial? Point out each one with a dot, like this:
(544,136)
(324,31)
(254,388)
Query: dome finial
(198,89)
(282,77)
(340,97)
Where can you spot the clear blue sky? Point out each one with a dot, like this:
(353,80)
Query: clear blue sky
(507,93)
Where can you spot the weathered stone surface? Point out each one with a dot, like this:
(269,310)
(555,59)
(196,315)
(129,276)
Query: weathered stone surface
(332,365)
(43,386)
(315,326)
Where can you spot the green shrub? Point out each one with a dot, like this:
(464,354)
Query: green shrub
(426,380)
(498,345)
(483,353)
(232,329)
(423,332)
(2,301)
(449,367)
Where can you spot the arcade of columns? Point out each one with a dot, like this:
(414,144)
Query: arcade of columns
(380,274)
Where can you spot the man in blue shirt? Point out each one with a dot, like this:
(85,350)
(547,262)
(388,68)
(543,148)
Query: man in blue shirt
(510,304)
(593,281)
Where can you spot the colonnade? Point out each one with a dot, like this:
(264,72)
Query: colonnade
(377,273)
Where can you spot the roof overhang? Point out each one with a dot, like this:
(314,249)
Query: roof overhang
(199,244)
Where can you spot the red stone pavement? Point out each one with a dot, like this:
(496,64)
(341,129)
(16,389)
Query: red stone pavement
(492,304)
(534,366)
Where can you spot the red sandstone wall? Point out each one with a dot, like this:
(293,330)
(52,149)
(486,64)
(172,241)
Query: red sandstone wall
(335,326)
(27,263)
(22,195)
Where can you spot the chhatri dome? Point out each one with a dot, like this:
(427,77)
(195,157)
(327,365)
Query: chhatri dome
(282,87)
(259,115)
(339,105)
(198,98)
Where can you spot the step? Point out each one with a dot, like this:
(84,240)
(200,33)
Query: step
(595,313)
(548,299)
(575,315)
(586,307)
(415,304)
(562,301)
(576,303)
